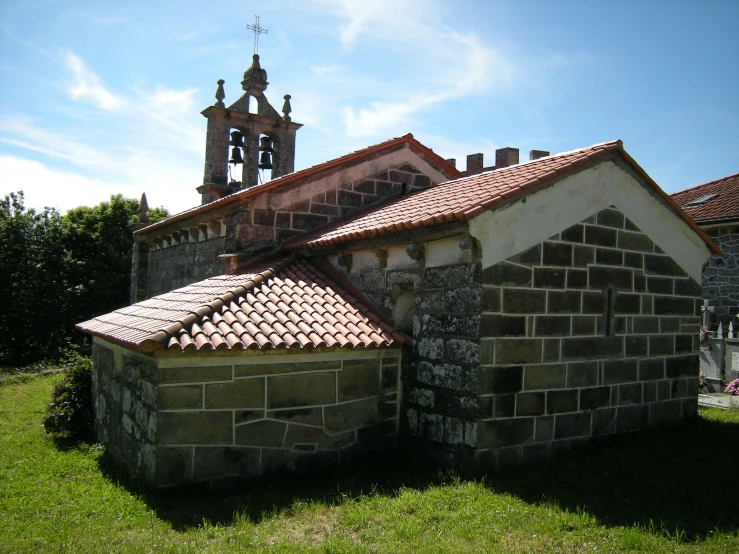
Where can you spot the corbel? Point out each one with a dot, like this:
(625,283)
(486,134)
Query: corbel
(467,242)
(415,251)
(381,254)
(345,260)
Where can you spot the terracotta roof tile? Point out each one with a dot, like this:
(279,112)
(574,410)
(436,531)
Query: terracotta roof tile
(455,200)
(465,198)
(724,205)
(352,157)
(252,310)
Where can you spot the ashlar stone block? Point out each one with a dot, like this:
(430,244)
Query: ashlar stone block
(359,379)
(241,394)
(351,415)
(505,432)
(287,391)
(217,462)
(202,427)
(261,433)
(186,397)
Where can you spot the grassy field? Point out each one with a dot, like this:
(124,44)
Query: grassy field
(664,490)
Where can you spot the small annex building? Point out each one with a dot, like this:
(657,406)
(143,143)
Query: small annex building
(714,206)
(385,300)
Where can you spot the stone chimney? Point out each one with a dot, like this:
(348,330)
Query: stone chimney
(505,157)
(536,154)
(474,164)
(452,162)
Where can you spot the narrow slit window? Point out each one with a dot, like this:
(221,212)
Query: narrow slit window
(608,315)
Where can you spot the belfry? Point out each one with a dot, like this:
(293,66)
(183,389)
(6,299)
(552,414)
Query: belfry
(249,134)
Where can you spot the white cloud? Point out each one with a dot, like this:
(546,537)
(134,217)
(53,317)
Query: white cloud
(25,135)
(46,186)
(143,141)
(87,86)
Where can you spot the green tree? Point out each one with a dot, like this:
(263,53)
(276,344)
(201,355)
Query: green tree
(33,263)
(60,270)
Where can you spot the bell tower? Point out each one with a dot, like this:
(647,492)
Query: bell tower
(247,143)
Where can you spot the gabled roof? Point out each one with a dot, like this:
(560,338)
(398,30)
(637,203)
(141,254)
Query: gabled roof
(463,199)
(285,303)
(720,200)
(352,158)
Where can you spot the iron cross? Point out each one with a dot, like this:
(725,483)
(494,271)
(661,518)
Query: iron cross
(257,30)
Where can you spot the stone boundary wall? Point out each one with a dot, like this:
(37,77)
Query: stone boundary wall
(244,420)
(721,278)
(591,332)
(440,401)
(124,397)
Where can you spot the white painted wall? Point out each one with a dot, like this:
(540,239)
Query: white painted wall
(446,252)
(398,259)
(516,227)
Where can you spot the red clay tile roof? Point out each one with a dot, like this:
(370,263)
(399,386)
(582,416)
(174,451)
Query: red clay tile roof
(286,303)
(725,205)
(465,198)
(352,157)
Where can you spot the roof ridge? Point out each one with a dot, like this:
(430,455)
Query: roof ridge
(694,187)
(408,138)
(162,336)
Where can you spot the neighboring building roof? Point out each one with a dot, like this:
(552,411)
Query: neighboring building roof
(351,158)
(465,198)
(286,303)
(711,202)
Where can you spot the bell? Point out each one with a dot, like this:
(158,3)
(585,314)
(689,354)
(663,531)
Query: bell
(265,144)
(236,156)
(265,160)
(237,139)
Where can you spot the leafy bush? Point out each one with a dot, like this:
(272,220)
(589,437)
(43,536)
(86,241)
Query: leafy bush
(733,387)
(70,412)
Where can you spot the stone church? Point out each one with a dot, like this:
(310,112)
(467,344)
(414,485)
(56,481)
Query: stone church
(386,300)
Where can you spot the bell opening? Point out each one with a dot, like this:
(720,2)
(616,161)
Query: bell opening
(266,158)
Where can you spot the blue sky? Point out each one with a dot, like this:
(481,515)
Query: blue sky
(98,98)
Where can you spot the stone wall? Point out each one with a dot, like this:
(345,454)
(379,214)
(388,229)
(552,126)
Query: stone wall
(173,259)
(180,264)
(721,278)
(274,223)
(440,373)
(591,332)
(246,419)
(124,395)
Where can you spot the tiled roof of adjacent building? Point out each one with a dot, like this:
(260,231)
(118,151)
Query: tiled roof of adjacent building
(286,303)
(351,158)
(465,198)
(713,201)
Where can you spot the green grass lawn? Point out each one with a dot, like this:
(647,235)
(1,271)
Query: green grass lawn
(664,490)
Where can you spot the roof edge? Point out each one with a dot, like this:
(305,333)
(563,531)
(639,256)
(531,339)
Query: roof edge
(305,173)
(333,274)
(714,181)
(670,202)
(160,339)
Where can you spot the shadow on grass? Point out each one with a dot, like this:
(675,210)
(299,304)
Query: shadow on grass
(680,477)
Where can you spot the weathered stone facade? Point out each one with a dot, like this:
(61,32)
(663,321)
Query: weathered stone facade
(440,376)
(594,331)
(721,277)
(243,416)
(591,332)
(175,258)
(125,397)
